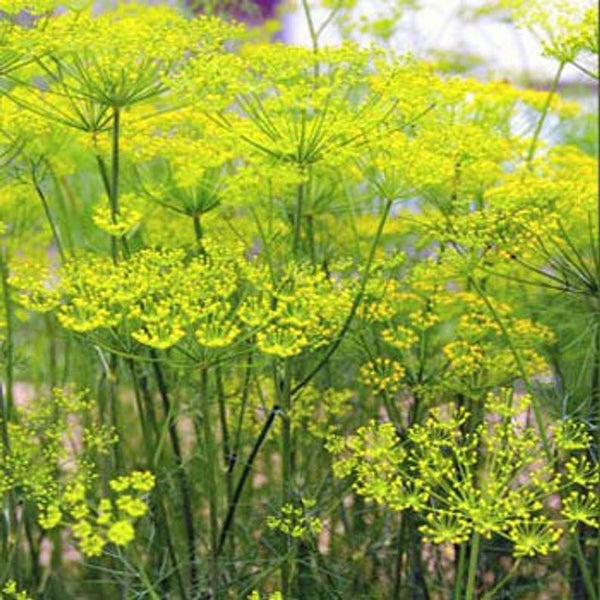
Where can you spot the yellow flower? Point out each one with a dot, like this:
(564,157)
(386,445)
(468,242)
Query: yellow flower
(142,481)
(134,507)
(121,533)
(50,517)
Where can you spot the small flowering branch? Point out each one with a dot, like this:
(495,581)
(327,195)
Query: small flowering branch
(355,304)
(519,361)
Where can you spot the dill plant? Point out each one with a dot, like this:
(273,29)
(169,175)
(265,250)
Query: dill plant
(302,387)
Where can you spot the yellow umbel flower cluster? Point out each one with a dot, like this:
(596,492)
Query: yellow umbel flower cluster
(430,470)
(42,463)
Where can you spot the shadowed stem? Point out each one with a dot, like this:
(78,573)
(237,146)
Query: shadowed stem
(473,559)
(184,485)
(492,593)
(210,460)
(287,473)
(6,398)
(585,572)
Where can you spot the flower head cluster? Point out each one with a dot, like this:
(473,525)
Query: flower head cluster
(296,521)
(51,460)
(10,591)
(491,481)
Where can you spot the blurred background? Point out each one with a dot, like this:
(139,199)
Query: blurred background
(471,37)
(476,34)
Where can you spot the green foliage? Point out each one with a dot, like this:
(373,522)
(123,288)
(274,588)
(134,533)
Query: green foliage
(338,309)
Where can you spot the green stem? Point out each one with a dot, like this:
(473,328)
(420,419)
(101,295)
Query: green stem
(150,433)
(198,233)
(115,165)
(583,567)
(9,347)
(473,559)
(310,234)
(286,474)
(211,459)
(227,457)
(113,394)
(34,549)
(6,403)
(64,194)
(237,494)
(537,412)
(298,220)
(227,451)
(545,110)
(355,304)
(460,572)
(184,486)
(595,398)
(397,593)
(50,219)
(314,36)
(491,593)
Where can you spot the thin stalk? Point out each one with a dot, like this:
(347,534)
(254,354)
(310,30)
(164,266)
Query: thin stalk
(355,304)
(314,34)
(298,220)
(587,72)
(240,422)
(545,109)
(198,233)
(473,560)
(146,434)
(107,187)
(237,494)
(112,379)
(142,380)
(115,164)
(52,352)
(585,572)
(115,177)
(534,403)
(392,409)
(50,219)
(460,572)
(211,460)
(34,549)
(184,486)
(329,18)
(310,234)
(227,452)
(397,593)
(490,595)
(150,433)
(145,579)
(63,193)
(6,398)
(10,568)
(287,474)
(9,357)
